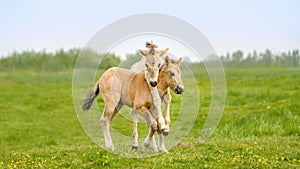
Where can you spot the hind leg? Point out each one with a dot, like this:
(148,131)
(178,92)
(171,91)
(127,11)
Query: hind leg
(108,114)
(135,142)
(105,123)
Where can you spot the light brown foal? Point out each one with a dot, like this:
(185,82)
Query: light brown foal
(120,87)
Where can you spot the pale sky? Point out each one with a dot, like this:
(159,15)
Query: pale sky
(228,25)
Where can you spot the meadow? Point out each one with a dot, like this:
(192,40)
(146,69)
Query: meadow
(260,126)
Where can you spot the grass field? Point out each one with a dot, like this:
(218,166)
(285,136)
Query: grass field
(260,127)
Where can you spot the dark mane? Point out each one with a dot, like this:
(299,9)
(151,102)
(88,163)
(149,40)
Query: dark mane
(150,45)
(164,64)
(172,61)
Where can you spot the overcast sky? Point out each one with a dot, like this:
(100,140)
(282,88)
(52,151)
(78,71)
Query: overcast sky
(228,25)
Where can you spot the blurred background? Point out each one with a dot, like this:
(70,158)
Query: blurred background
(257,41)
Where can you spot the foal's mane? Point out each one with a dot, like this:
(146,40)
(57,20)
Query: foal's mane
(151,46)
(164,64)
(172,61)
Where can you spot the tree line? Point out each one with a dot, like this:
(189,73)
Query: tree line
(63,60)
(53,61)
(266,59)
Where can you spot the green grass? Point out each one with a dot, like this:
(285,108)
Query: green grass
(260,127)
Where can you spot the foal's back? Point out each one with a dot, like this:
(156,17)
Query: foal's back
(123,86)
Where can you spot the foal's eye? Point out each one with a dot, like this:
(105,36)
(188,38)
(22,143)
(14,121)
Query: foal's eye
(159,65)
(172,74)
(146,65)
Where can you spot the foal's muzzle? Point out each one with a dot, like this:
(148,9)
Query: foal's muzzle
(153,84)
(179,90)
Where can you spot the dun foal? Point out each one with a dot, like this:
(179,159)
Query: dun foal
(151,59)
(120,87)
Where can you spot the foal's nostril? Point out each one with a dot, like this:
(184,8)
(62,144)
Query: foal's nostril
(153,84)
(179,90)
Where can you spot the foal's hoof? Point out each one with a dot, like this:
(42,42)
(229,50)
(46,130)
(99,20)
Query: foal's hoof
(165,151)
(134,148)
(165,132)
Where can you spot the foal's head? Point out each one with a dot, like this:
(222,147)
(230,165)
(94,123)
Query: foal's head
(152,62)
(172,75)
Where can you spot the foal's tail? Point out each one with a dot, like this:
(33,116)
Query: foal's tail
(88,101)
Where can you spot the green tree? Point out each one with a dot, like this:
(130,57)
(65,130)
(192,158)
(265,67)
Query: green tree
(109,60)
(266,58)
(131,59)
(295,57)
(237,57)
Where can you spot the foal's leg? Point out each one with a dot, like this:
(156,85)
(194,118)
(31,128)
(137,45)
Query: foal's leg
(167,101)
(161,143)
(148,139)
(152,124)
(153,145)
(135,134)
(146,115)
(110,110)
(157,113)
(135,142)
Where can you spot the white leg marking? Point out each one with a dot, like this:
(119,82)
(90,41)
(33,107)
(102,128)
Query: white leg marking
(105,128)
(135,142)
(161,144)
(153,145)
(148,140)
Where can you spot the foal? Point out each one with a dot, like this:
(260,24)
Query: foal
(120,87)
(151,59)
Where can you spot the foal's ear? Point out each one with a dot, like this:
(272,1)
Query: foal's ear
(167,60)
(179,61)
(143,52)
(162,52)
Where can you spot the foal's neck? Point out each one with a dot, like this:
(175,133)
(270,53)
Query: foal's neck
(162,85)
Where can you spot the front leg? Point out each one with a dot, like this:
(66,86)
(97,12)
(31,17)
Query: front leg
(167,101)
(161,144)
(157,113)
(135,142)
(146,115)
(148,140)
(153,145)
